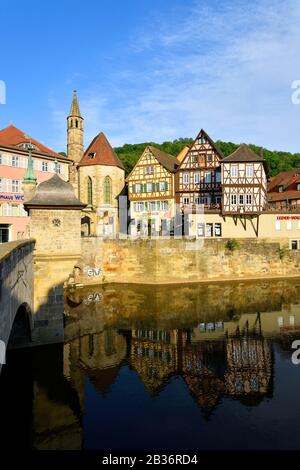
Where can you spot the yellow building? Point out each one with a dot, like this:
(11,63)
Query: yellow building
(151,191)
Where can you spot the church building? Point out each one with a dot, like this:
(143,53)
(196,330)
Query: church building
(97,175)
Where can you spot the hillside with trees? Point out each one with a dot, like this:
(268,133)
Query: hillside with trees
(278,161)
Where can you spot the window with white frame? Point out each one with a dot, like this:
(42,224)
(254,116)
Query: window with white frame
(234,171)
(15,161)
(218,230)
(138,188)
(153,206)
(149,170)
(233,199)
(186,178)
(164,205)
(277,225)
(209,230)
(200,230)
(1,185)
(14,210)
(209,157)
(289,225)
(196,178)
(5,210)
(162,186)
(186,200)
(44,166)
(207,177)
(218,176)
(149,187)
(249,171)
(249,199)
(140,206)
(204,200)
(241,199)
(15,186)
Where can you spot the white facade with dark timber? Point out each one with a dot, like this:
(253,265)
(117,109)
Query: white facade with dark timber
(244,182)
(198,180)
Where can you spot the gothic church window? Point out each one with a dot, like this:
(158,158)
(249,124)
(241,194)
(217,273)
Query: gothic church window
(89,191)
(107,190)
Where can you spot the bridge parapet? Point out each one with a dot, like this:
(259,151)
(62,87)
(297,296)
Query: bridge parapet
(16,284)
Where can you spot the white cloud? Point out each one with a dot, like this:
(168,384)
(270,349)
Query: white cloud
(225,67)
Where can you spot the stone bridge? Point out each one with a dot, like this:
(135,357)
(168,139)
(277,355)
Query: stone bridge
(16,294)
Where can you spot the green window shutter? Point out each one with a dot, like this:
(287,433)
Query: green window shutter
(153,187)
(157,187)
(133,188)
(166,186)
(144,188)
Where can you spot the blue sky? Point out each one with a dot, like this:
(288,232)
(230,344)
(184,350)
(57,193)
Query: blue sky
(153,70)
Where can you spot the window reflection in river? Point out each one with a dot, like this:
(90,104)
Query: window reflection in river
(193,358)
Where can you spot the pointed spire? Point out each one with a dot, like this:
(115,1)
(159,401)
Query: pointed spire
(75,111)
(29,175)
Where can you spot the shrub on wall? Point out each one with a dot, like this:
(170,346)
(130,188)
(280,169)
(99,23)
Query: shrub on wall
(232,244)
(283,252)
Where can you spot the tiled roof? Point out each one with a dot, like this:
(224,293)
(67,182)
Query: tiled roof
(284,196)
(168,161)
(11,137)
(212,143)
(243,154)
(100,152)
(75,110)
(286,179)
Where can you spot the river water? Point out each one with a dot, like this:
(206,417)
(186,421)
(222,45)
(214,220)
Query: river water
(204,366)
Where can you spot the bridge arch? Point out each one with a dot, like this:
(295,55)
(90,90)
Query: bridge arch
(20,334)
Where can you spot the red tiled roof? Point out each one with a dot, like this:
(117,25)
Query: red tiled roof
(286,179)
(11,136)
(100,152)
(285,195)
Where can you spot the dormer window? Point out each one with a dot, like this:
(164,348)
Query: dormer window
(27,146)
(92,155)
(280,189)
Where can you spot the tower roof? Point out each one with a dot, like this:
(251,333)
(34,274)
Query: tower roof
(55,192)
(75,110)
(100,152)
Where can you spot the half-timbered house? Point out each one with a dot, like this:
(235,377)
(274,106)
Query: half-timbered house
(198,180)
(244,182)
(151,193)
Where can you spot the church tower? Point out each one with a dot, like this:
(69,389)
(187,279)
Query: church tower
(75,131)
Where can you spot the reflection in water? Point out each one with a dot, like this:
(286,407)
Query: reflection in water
(195,366)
